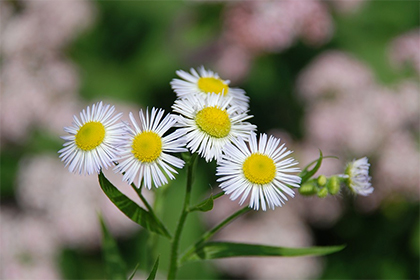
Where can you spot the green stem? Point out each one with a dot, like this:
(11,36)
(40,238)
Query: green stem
(152,240)
(173,262)
(207,235)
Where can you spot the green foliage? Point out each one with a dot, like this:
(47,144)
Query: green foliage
(307,174)
(152,274)
(131,209)
(216,250)
(114,264)
(204,206)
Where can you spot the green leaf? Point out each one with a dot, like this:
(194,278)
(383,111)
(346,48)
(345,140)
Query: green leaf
(306,174)
(114,264)
(134,272)
(204,206)
(152,274)
(131,209)
(217,250)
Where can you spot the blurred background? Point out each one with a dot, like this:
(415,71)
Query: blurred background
(340,76)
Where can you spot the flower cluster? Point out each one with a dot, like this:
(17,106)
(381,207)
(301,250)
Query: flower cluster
(209,119)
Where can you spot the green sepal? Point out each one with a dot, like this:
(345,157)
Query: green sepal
(217,250)
(131,209)
(152,274)
(114,265)
(306,174)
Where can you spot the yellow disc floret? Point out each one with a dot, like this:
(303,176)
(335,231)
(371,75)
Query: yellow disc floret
(90,135)
(214,121)
(212,85)
(147,146)
(259,169)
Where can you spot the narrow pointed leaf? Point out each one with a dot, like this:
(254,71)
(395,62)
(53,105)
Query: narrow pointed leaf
(307,174)
(216,250)
(134,272)
(114,264)
(204,206)
(131,209)
(154,270)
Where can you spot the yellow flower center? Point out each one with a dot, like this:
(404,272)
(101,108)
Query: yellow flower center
(212,85)
(147,146)
(213,121)
(90,136)
(259,169)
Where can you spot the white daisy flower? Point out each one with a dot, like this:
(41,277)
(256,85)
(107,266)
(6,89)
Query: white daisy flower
(204,82)
(357,177)
(258,169)
(93,140)
(209,124)
(145,154)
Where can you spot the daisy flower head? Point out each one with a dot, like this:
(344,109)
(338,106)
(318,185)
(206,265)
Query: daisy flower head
(203,82)
(145,157)
(261,169)
(357,177)
(93,140)
(209,124)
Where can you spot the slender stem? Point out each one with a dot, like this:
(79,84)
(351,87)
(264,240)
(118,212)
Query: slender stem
(207,235)
(152,240)
(173,262)
(142,198)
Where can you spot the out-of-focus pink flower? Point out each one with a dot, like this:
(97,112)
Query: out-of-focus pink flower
(333,73)
(28,247)
(405,50)
(398,166)
(234,62)
(347,6)
(41,27)
(34,75)
(274,25)
(254,27)
(70,203)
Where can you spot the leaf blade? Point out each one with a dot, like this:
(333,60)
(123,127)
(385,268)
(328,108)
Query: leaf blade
(131,209)
(216,250)
(152,274)
(114,264)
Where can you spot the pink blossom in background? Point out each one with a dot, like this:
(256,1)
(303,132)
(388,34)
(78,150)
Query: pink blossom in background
(42,29)
(398,166)
(28,247)
(333,73)
(46,186)
(404,50)
(35,77)
(347,6)
(254,27)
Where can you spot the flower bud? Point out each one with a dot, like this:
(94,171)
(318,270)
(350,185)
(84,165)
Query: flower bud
(333,185)
(308,189)
(322,192)
(322,180)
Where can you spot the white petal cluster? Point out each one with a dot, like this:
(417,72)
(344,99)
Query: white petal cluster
(234,181)
(358,179)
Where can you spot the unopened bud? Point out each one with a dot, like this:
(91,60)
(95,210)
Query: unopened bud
(322,193)
(322,180)
(308,189)
(333,185)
